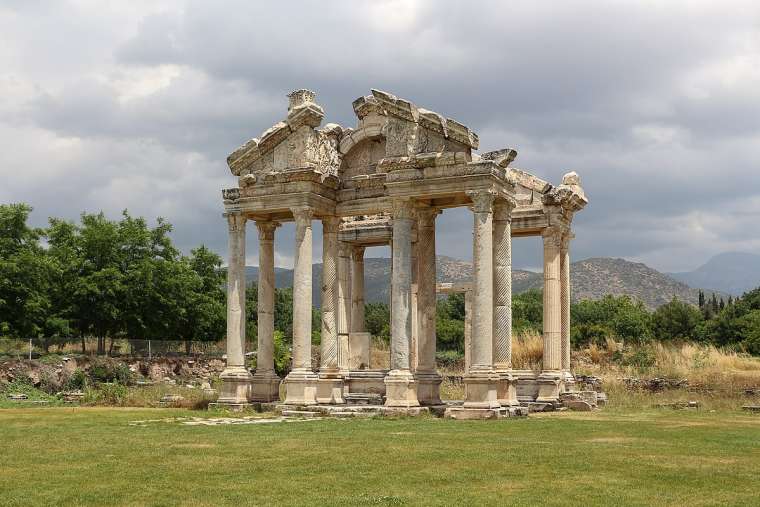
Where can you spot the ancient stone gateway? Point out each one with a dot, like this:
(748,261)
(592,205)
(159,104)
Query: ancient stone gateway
(385,182)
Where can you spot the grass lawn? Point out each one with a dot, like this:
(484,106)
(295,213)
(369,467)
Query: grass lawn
(91,456)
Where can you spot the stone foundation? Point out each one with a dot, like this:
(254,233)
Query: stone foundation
(265,387)
(401,390)
(301,388)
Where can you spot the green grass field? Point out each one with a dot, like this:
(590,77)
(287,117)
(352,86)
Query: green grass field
(92,456)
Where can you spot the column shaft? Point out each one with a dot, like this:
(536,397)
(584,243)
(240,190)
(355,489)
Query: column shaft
(329,350)
(344,304)
(426,296)
(357,290)
(401,286)
(400,385)
(552,310)
(502,283)
(565,298)
(302,291)
(265,353)
(236,291)
(482,323)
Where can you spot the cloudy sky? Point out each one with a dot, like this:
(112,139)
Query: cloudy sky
(113,105)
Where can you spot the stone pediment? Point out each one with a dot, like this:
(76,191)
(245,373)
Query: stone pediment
(391,132)
(293,144)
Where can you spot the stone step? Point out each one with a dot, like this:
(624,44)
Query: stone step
(300,413)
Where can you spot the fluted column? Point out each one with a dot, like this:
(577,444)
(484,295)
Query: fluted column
(357,289)
(235,377)
(565,299)
(552,306)
(266,383)
(502,301)
(428,379)
(551,374)
(301,381)
(401,389)
(344,304)
(481,380)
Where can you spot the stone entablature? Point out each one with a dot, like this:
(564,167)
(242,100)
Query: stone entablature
(384,182)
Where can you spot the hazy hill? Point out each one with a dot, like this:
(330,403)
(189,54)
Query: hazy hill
(591,278)
(730,272)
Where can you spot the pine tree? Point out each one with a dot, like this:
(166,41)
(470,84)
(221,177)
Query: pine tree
(701,299)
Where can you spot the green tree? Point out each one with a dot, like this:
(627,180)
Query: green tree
(528,311)
(676,320)
(377,320)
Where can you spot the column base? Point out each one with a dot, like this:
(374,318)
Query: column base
(401,389)
(236,386)
(301,387)
(549,387)
(330,388)
(480,390)
(568,382)
(506,389)
(428,387)
(265,387)
(366,382)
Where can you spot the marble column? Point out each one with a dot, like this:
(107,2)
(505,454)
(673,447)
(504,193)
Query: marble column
(236,379)
(266,383)
(414,342)
(549,380)
(502,302)
(330,389)
(481,380)
(428,379)
(401,388)
(357,289)
(301,382)
(344,305)
(467,330)
(565,301)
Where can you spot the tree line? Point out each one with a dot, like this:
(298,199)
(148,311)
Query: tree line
(105,279)
(110,279)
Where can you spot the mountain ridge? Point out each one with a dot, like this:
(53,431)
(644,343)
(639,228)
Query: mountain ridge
(730,272)
(591,278)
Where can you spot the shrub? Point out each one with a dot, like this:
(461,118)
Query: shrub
(588,334)
(450,359)
(108,370)
(281,354)
(450,334)
(641,358)
(77,381)
(106,394)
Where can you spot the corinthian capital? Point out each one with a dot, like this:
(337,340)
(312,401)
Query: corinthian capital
(235,221)
(266,230)
(330,224)
(502,209)
(426,216)
(552,236)
(482,200)
(403,209)
(302,214)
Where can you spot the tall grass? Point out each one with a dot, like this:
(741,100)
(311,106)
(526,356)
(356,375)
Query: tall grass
(527,351)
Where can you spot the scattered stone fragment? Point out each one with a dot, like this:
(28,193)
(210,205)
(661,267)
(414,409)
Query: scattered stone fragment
(578,405)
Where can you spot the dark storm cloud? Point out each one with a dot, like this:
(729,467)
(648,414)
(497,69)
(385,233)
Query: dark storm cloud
(656,106)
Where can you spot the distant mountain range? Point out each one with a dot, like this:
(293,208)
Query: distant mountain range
(591,279)
(732,272)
